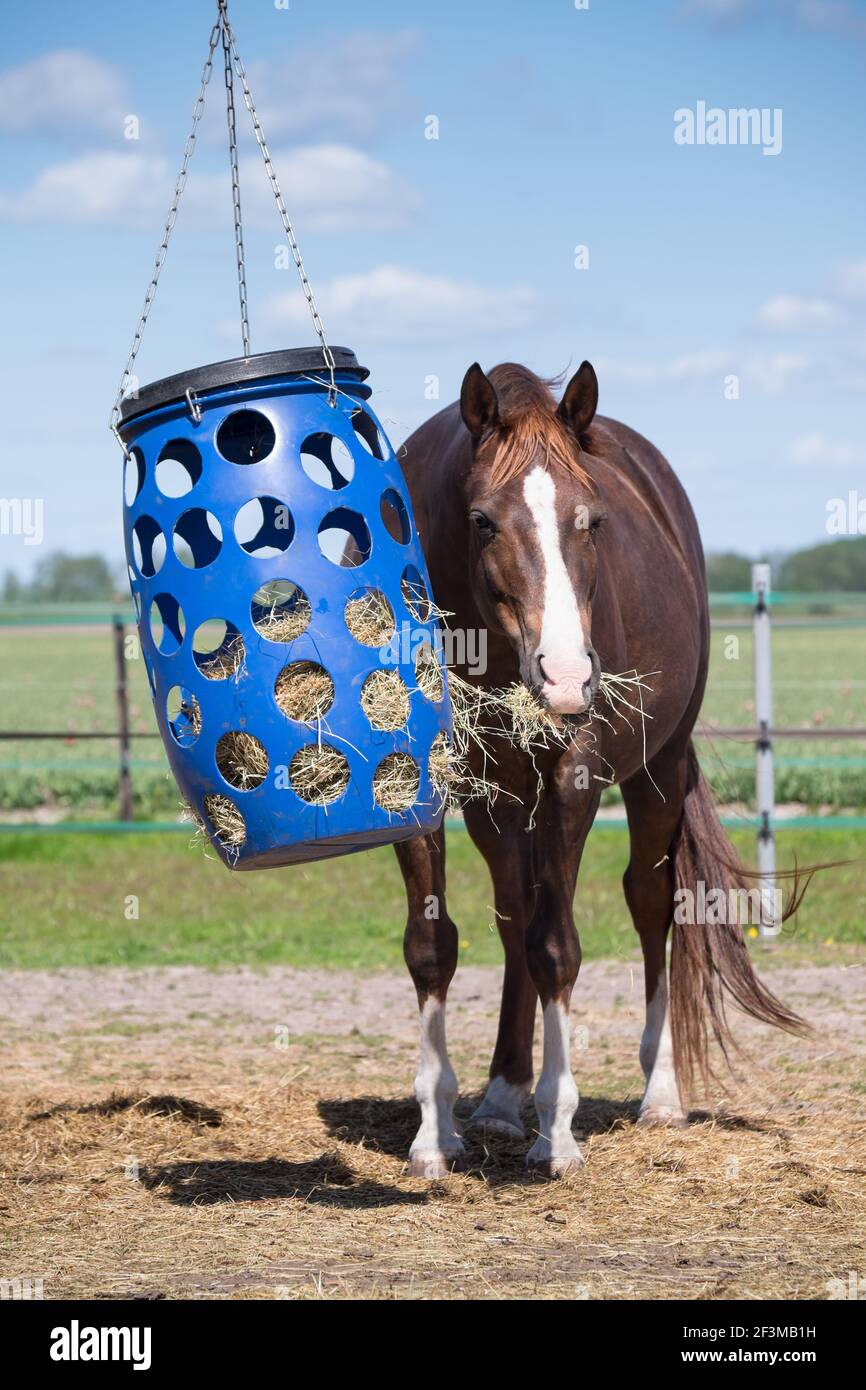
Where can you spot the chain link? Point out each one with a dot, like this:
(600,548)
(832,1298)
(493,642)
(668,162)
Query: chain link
(236,184)
(281,207)
(179,186)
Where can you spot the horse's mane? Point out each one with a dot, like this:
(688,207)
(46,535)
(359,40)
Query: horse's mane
(528,423)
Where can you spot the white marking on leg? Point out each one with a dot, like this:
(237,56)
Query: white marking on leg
(563,643)
(661,1101)
(556,1097)
(437,1143)
(502,1107)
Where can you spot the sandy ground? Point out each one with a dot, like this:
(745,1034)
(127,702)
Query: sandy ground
(186,1133)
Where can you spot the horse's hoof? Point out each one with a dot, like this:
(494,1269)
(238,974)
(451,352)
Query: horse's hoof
(432,1163)
(555,1166)
(491,1123)
(662,1115)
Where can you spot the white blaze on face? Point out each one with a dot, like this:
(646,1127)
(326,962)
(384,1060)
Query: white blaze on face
(563,645)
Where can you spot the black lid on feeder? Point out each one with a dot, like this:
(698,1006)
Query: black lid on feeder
(259,367)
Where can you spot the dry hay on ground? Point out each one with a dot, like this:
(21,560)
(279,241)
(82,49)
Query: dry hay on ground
(193,1158)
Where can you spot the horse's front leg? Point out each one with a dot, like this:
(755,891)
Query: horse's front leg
(500,834)
(430,949)
(553,955)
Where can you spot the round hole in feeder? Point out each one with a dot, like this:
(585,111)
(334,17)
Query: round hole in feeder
(396,781)
(178,468)
(344,538)
(148,547)
(197,539)
(280,610)
(184,715)
(385,699)
(218,649)
(428,673)
(225,820)
(319,773)
(264,527)
(133,475)
(245,436)
(368,433)
(242,759)
(415,595)
(326,461)
(393,511)
(304,691)
(370,617)
(167,623)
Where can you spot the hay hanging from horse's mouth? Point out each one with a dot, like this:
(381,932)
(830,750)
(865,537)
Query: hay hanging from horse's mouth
(225,820)
(370,618)
(242,759)
(385,700)
(396,782)
(319,773)
(304,691)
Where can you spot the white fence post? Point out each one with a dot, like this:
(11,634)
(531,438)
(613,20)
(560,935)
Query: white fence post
(764,779)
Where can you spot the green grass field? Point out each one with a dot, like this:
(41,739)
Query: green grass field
(65,900)
(63,678)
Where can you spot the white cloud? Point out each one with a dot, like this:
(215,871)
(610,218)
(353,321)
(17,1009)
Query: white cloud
(815,449)
(832,17)
(349,88)
(791,311)
(399,305)
(768,373)
(688,366)
(328,187)
(62,93)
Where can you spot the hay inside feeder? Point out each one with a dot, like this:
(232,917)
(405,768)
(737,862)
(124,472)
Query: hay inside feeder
(439,763)
(304,691)
(225,820)
(319,773)
(242,759)
(385,700)
(428,674)
(370,618)
(281,611)
(226,661)
(396,781)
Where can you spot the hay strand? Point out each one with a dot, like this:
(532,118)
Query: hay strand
(385,699)
(396,781)
(242,759)
(319,773)
(304,691)
(370,618)
(225,820)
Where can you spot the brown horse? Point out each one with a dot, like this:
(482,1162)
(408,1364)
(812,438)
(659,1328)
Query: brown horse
(568,538)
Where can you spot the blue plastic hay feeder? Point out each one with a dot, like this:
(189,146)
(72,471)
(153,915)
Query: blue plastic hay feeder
(255,512)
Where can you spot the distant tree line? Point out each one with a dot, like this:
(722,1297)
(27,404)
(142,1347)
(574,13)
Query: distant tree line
(61,578)
(835,566)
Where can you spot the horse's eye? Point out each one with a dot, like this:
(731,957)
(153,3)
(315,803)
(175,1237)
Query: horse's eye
(483,525)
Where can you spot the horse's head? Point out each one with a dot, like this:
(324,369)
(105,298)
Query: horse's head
(534,516)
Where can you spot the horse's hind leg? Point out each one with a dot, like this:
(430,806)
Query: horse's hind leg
(649,892)
(430,948)
(501,837)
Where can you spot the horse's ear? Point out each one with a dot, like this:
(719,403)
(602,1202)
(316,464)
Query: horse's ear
(578,405)
(478,402)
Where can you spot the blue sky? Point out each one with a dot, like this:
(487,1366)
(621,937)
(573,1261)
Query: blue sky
(556,129)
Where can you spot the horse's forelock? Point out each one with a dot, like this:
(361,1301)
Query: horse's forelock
(529,427)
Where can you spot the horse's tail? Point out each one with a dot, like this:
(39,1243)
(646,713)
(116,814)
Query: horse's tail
(710,963)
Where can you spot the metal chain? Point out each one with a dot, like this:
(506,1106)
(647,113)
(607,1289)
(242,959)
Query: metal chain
(236,185)
(222,31)
(179,186)
(281,207)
